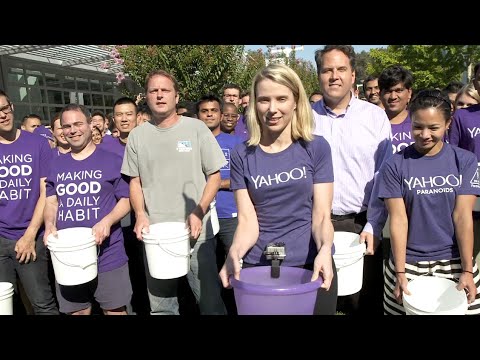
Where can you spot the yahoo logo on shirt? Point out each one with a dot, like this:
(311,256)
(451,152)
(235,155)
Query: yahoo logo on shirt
(474,132)
(275,179)
(433,181)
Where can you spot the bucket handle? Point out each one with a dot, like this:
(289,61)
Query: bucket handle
(354,262)
(172,253)
(76,265)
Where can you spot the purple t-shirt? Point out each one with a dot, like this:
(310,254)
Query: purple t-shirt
(241,129)
(465,129)
(87,191)
(226,207)
(280,186)
(429,186)
(22,164)
(109,143)
(402,134)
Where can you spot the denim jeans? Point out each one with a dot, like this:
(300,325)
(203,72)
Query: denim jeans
(34,276)
(202,278)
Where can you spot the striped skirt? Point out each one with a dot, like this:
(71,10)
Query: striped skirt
(450,269)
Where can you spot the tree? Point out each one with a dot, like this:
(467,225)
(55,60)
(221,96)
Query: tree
(199,69)
(363,59)
(432,66)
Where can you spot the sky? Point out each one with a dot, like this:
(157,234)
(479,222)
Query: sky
(308,52)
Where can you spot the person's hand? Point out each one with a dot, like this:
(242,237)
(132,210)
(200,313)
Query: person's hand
(232,266)
(194,224)
(142,224)
(372,242)
(400,288)
(323,265)
(466,282)
(25,248)
(101,230)
(49,230)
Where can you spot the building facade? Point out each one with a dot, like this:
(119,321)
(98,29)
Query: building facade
(42,79)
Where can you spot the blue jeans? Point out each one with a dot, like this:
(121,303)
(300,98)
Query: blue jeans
(202,278)
(34,276)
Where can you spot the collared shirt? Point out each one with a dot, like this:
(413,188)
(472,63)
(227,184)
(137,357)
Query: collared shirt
(360,139)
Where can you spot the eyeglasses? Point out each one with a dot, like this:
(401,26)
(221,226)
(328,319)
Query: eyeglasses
(6,109)
(230,116)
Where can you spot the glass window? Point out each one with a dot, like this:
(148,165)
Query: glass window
(87,100)
(34,78)
(18,94)
(108,86)
(69,83)
(109,100)
(95,85)
(15,76)
(97,99)
(40,111)
(52,111)
(37,95)
(54,97)
(82,84)
(70,97)
(20,112)
(53,80)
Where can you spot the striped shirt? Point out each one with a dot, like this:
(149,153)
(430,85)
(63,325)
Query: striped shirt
(360,139)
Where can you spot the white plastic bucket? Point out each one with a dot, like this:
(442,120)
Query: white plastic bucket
(167,247)
(348,257)
(74,255)
(432,295)
(214,217)
(6,298)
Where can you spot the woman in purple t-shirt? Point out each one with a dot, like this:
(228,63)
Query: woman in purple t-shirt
(282,179)
(430,188)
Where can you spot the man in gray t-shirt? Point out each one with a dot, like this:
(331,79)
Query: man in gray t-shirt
(174,164)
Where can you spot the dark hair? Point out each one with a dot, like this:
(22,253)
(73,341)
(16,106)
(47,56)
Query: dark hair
(453,87)
(125,100)
(98,113)
(431,98)
(189,105)
(346,49)
(31,116)
(475,69)
(232,86)
(3,93)
(54,118)
(76,107)
(143,109)
(208,98)
(368,79)
(393,75)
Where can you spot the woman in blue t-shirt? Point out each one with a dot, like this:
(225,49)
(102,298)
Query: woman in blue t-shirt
(430,188)
(282,178)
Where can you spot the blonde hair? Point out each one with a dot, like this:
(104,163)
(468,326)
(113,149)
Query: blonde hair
(469,90)
(302,123)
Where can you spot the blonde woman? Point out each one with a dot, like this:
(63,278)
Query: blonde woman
(282,179)
(466,96)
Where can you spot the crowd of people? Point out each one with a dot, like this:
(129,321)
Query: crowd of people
(244,170)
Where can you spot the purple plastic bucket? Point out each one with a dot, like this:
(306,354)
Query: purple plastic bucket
(257,293)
